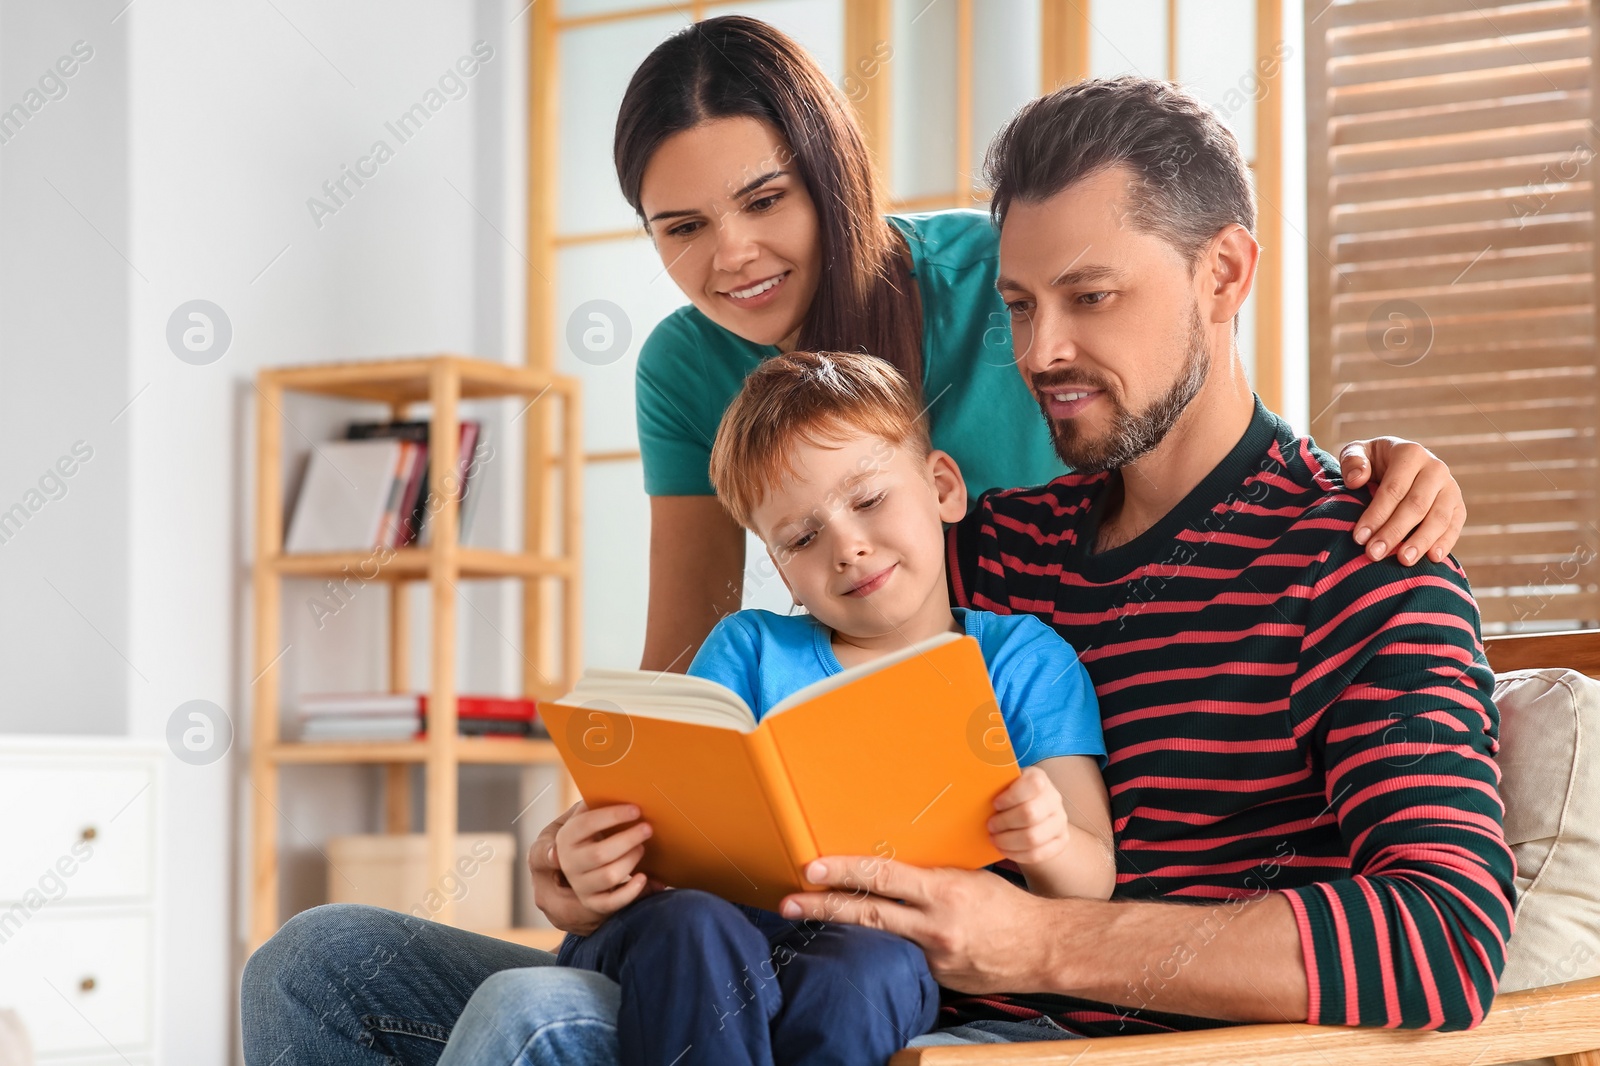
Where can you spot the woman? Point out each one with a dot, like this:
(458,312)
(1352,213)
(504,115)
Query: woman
(726,134)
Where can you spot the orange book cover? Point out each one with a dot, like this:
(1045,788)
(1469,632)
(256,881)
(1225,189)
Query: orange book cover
(901,758)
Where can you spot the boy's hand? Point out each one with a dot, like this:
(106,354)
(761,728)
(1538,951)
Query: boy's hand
(551,892)
(1032,825)
(597,852)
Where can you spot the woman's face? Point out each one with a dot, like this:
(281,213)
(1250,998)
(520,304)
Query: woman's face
(735,226)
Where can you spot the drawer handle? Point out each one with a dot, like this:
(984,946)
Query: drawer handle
(88,834)
(86,985)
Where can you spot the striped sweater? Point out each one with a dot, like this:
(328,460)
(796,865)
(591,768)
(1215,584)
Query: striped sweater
(1282,714)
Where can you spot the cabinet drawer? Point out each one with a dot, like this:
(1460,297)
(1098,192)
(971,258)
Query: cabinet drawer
(79,831)
(79,980)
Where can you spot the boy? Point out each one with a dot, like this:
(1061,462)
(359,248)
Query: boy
(826,458)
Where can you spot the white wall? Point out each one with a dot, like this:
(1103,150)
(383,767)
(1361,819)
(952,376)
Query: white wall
(237,117)
(64,233)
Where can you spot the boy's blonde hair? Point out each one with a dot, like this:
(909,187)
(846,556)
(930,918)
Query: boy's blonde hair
(815,397)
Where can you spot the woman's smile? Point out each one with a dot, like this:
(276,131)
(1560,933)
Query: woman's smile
(756,295)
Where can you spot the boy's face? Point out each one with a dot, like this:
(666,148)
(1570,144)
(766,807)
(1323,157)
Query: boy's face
(857,536)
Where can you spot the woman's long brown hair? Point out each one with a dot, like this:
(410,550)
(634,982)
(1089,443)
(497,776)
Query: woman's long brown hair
(737,66)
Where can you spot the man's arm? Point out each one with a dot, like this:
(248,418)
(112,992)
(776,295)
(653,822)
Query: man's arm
(1395,697)
(1234,960)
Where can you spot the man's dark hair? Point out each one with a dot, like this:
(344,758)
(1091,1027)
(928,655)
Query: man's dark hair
(1189,177)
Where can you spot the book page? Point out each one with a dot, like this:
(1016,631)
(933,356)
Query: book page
(658,694)
(845,677)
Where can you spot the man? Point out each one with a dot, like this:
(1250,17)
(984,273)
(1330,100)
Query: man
(1300,738)
(1301,773)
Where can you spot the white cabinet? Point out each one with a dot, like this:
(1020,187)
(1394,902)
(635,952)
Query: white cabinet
(77,895)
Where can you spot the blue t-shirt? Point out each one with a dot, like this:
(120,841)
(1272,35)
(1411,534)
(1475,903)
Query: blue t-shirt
(1045,695)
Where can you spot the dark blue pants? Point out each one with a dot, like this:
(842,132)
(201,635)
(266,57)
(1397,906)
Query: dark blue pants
(708,981)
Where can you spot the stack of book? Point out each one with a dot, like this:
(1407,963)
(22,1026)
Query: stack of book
(371,490)
(404,716)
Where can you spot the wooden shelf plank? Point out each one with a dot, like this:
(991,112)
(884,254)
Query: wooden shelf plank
(502,751)
(468,750)
(408,380)
(381,564)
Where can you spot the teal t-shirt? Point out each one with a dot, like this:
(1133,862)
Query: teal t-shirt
(979,410)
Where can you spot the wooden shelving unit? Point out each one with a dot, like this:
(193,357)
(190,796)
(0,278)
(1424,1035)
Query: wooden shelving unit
(551,554)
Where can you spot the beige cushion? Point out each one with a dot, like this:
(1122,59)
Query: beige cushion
(1550,780)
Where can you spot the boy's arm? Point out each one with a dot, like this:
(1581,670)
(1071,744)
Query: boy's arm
(1056,826)
(1055,821)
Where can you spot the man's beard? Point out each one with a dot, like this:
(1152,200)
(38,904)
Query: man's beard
(1131,435)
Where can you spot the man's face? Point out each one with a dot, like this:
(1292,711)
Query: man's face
(856,533)
(1105,322)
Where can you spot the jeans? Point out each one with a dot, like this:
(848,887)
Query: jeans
(706,982)
(346,985)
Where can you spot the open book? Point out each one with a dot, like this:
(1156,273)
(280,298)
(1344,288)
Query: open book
(898,758)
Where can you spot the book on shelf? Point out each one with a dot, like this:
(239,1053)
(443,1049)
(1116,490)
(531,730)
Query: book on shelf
(348,492)
(414,527)
(901,757)
(371,490)
(404,715)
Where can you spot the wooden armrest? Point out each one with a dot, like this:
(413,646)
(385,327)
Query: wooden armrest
(1575,649)
(1562,1020)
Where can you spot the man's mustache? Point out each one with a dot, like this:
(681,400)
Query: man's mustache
(1063,381)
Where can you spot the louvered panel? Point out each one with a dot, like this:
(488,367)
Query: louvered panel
(1560,444)
(1507,264)
(1458,23)
(1481,54)
(1411,183)
(1572,479)
(1421,214)
(1524,577)
(1544,137)
(1362,370)
(1336,17)
(1451,155)
(1477,299)
(1388,343)
(1482,422)
(1491,548)
(1459,117)
(1468,370)
(1489,83)
(1472,238)
(1528,610)
(1396,399)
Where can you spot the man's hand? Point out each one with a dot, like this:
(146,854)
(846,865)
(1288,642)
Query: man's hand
(553,891)
(980,932)
(1417,508)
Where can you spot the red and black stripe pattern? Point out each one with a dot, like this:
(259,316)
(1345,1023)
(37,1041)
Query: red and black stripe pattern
(1282,714)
